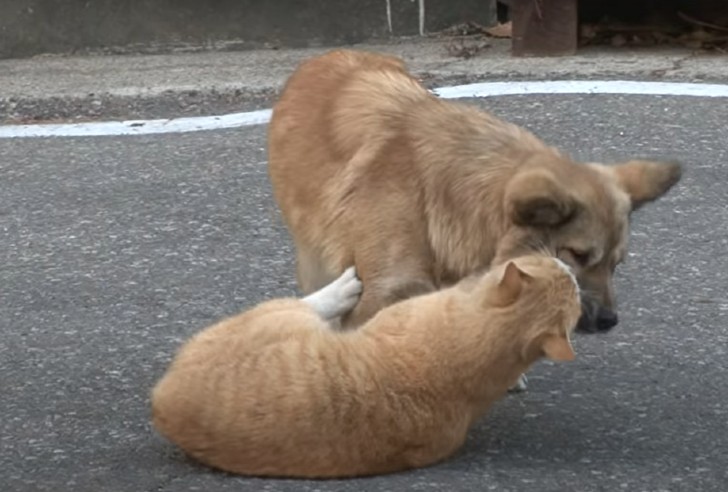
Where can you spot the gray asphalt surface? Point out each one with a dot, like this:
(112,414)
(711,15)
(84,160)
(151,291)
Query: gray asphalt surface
(115,250)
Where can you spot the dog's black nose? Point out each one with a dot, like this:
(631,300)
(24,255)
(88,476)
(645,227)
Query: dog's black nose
(606,319)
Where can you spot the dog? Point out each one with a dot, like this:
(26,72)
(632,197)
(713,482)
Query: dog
(370,168)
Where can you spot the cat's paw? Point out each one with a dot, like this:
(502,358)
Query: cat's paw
(348,290)
(520,386)
(337,298)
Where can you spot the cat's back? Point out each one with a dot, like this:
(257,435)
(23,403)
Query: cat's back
(231,362)
(263,387)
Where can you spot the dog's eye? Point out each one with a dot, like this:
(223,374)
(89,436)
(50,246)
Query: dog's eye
(580,257)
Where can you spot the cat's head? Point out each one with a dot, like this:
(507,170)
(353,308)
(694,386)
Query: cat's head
(541,294)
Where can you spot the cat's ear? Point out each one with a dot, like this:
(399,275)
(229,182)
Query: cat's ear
(558,348)
(510,284)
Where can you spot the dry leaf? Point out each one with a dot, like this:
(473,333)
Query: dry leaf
(465,50)
(499,31)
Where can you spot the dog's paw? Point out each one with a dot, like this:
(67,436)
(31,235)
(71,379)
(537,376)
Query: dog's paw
(520,386)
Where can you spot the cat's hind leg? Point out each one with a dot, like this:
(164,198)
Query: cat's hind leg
(337,298)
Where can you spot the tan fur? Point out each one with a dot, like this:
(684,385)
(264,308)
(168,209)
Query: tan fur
(275,392)
(371,169)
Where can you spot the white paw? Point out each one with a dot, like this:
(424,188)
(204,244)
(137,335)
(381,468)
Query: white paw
(337,298)
(348,290)
(520,385)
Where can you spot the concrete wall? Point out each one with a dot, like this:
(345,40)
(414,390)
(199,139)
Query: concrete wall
(31,27)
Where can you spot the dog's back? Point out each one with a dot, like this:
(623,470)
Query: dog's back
(343,87)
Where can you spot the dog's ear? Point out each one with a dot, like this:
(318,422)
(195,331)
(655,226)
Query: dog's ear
(558,347)
(510,284)
(536,198)
(646,181)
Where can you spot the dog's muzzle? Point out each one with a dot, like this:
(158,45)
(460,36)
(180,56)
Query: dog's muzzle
(596,319)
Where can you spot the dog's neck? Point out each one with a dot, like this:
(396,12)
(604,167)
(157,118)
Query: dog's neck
(465,216)
(467,159)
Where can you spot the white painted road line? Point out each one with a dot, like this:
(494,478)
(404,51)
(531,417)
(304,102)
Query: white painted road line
(138,127)
(489,89)
(485,89)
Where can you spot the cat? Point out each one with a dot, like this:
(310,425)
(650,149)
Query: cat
(275,391)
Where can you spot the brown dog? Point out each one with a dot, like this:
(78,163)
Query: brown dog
(370,168)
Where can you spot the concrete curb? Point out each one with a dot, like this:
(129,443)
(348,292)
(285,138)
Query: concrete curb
(55,89)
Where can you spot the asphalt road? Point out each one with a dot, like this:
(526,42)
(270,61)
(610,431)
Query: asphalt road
(115,250)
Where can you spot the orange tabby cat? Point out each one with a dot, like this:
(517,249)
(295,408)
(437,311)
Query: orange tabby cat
(275,391)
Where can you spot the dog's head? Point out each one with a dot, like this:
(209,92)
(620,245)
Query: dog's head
(580,213)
